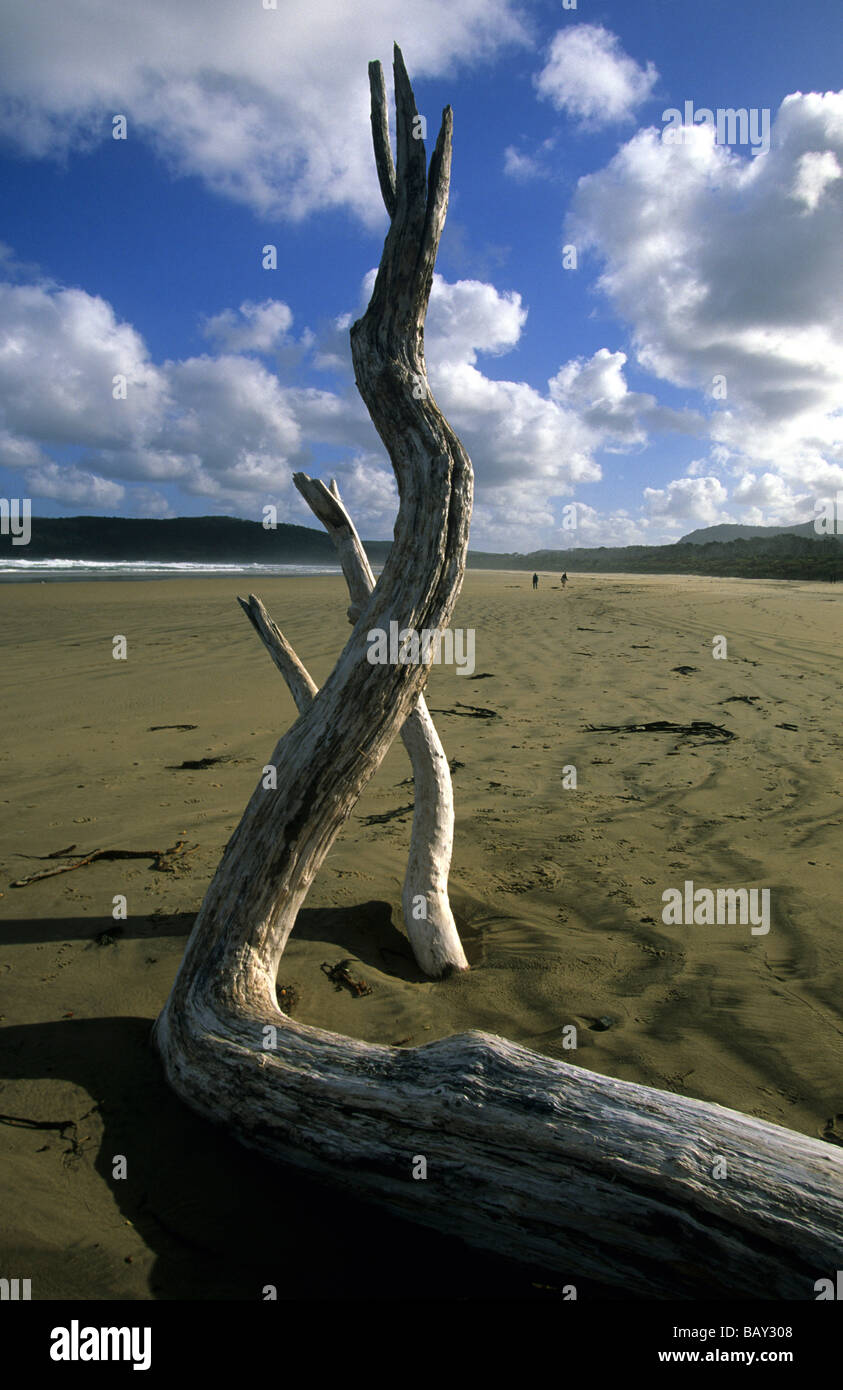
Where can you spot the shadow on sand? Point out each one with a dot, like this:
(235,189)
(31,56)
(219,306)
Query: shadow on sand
(221,1221)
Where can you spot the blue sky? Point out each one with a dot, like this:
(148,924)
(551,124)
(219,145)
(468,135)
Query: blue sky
(687,371)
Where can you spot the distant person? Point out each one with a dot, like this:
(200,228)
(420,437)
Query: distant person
(535,581)
(564,580)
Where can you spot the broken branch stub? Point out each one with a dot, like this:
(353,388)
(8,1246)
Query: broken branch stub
(301,684)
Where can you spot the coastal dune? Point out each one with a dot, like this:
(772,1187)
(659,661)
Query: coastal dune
(721,771)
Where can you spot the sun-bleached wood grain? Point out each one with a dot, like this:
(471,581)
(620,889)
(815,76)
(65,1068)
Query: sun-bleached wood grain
(433,936)
(581,1174)
(301,684)
(428,918)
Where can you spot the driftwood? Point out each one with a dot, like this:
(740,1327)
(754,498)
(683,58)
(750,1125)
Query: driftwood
(433,935)
(301,684)
(162,860)
(430,924)
(636,1188)
(698,728)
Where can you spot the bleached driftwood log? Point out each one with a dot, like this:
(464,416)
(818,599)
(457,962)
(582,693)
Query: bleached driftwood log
(428,918)
(550,1163)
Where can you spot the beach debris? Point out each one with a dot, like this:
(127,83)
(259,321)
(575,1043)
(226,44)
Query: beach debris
(75,1151)
(193,764)
(341,976)
(698,728)
(164,860)
(601,1025)
(156,728)
(685,670)
(287,996)
(795,727)
(469,711)
(454,765)
(109,936)
(400,813)
(24,1122)
(740,700)
(833,1129)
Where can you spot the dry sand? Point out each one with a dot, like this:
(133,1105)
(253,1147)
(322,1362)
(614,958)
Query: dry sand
(557,893)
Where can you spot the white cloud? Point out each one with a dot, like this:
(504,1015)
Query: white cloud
(721,272)
(511,430)
(517,522)
(620,418)
(145,501)
(74,487)
(689,499)
(18,454)
(367,487)
(268,107)
(233,419)
(226,428)
(510,519)
(469,316)
(514,432)
(60,352)
(520,166)
(251,328)
(815,170)
(588,75)
(594,528)
(220,427)
(770,501)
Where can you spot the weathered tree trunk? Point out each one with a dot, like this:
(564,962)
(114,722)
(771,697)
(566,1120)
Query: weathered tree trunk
(550,1163)
(428,918)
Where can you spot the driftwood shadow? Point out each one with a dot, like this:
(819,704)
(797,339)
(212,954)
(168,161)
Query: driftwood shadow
(34,931)
(192,1193)
(366,931)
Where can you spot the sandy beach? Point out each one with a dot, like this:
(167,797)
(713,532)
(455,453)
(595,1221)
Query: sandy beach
(557,891)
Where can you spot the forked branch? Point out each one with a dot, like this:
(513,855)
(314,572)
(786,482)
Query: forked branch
(428,918)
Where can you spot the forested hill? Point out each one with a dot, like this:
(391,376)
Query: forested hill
(203,539)
(731,531)
(775,557)
(228,540)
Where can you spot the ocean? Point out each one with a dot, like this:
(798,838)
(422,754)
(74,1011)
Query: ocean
(13,571)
